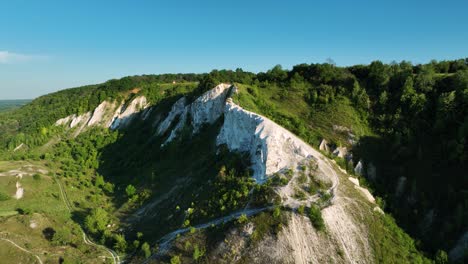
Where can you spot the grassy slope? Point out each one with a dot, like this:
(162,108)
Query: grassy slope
(42,199)
(293,112)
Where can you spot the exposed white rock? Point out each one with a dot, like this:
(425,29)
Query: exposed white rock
(128,113)
(340,152)
(378,210)
(64,121)
(271,147)
(366,194)
(99,114)
(179,126)
(19,191)
(207,108)
(80,123)
(81,119)
(355,181)
(107,115)
(359,168)
(324,146)
(341,128)
(177,109)
(146,113)
(19,147)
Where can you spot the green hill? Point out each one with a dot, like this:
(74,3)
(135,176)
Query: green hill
(129,187)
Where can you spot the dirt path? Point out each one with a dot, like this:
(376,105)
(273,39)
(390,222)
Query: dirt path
(115,257)
(23,249)
(165,241)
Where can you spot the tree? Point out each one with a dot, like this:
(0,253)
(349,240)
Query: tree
(175,260)
(120,244)
(198,253)
(277,74)
(378,77)
(99,181)
(413,101)
(441,257)
(315,216)
(130,190)
(62,237)
(360,97)
(96,222)
(145,248)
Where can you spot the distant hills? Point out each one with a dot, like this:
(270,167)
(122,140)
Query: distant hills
(11,104)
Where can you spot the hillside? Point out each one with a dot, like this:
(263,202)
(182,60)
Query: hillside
(160,168)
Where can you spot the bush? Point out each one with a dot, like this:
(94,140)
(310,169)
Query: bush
(62,237)
(441,257)
(120,244)
(301,209)
(130,191)
(315,216)
(145,248)
(175,260)
(37,177)
(242,219)
(198,253)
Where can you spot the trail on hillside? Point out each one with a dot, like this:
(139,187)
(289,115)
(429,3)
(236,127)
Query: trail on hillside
(164,242)
(21,248)
(115,257)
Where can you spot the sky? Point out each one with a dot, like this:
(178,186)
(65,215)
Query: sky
(47,46)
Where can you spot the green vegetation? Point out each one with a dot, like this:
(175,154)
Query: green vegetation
(175,260)
(315,216)
(4,197)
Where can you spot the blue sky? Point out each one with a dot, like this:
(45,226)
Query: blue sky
(50,45)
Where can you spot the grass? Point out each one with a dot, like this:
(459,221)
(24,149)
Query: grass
(293,112)
(5,213)
(45,209)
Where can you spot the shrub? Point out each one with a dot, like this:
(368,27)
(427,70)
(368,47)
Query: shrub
(441,257)
(301,209)
(120,244)
(242,219)
(37,177)
(175,260)
(145,248)
(62,237)
(198,253)
(130,190)
(276,212)
(315,216)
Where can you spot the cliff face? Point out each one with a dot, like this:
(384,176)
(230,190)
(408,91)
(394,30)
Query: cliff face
(108,115)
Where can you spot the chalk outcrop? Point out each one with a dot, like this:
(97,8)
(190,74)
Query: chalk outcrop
(111,115)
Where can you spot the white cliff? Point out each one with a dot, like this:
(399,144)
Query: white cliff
(107,114)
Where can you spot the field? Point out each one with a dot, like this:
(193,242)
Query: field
(29,223)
